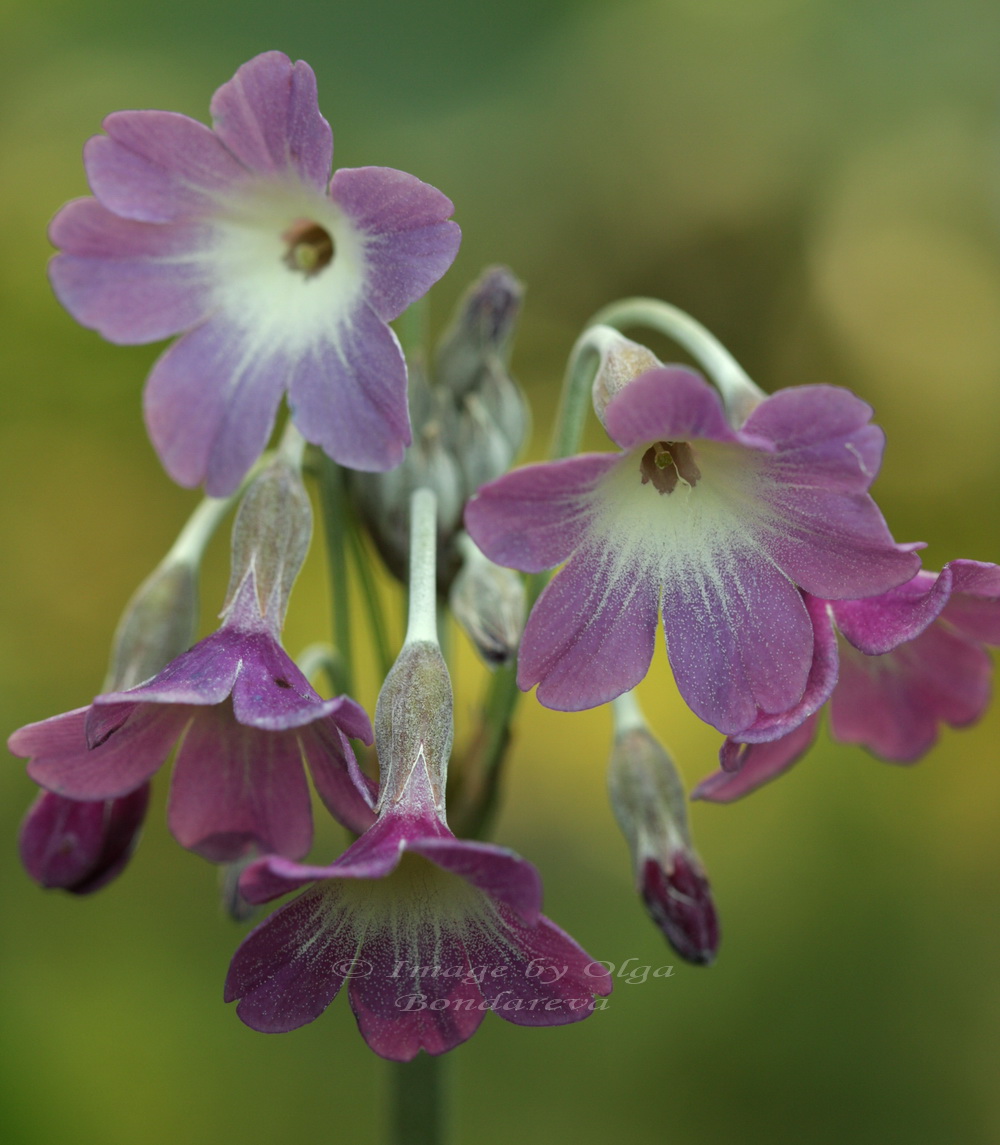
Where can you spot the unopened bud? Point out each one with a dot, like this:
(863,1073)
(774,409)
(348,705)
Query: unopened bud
(622,361)
(271,537)
(649,803)
(158,624)
(489,602)
(481,332)
(80,846)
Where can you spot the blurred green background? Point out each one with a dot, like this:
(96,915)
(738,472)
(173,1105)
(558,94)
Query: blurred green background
(816,180)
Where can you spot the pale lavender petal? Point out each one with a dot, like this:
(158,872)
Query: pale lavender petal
(533,519)
(821,526)
(819,686)
(268,116)
(877,624)
(500,873)
(409,243)
(133,282)
(210,404)
(348,395)
(291,967)
(668,404)
(159,166)
(347,793)
(591,634)
(62,762)
(974,607)
(893,704)
(401,1010)
(236,789)
(548,979)
(759,763)
(739,638)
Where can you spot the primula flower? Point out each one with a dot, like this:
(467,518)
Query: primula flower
(278,278)
(911,659)
(430,931)
(80,847)
(245,718)
(722,528)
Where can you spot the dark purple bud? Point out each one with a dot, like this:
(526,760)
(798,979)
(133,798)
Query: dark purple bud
(650,804)
(81,846)
(680,903)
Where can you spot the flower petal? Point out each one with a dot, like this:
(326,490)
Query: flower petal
(974,607)
(133,282)
(348,393)
(409,244)
(892,704)
(591,634)
(347,793)
(159,167)
(269,691)
(877,624)
(236,789)
(739,637)
(533,518)
(759,764)
(501,873)
(210,404)
(62,762)
(291,967)
(268,116)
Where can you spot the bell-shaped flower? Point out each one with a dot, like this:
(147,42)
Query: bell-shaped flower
(911,660)
(278,278)
(721,529)
(429,931)
(245,718)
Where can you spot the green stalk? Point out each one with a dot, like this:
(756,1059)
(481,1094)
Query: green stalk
(336,528)
(417,1110)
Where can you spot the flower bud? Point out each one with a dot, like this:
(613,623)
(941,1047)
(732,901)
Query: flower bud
(622,361)
(649,803)
(489,602)
(158,624)
(80,846)
(271,537)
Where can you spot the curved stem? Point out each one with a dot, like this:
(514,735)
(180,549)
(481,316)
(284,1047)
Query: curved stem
(336,524)
(739,393)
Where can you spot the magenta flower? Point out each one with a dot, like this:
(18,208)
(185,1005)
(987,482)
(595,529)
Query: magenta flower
(80,847)
(430,931)
(278,278)
(245,718)
(911,659)
(722,528)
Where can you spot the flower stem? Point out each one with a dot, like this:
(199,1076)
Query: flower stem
(336,523)
(422,616)
(417,1101)
(739,393)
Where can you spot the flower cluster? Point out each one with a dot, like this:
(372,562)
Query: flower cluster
(743,522)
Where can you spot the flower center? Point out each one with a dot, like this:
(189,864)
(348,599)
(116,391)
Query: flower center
(310,247)
(666,463)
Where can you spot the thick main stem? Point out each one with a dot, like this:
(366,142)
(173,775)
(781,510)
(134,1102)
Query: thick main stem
(418,1100)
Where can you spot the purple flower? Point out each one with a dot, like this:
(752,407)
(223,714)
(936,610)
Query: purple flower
(81,847)
(277,277)
(430,931)
(722,528)
(245,717)
(911,659)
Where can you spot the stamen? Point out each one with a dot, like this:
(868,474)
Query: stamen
(310,247)
(666,463)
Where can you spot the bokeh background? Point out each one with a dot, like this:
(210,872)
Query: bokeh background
(816,180)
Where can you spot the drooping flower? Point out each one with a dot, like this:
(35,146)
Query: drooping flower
(80,846)
(911,659)
(244,716)
(721,528)
(278,278)
(430,931)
